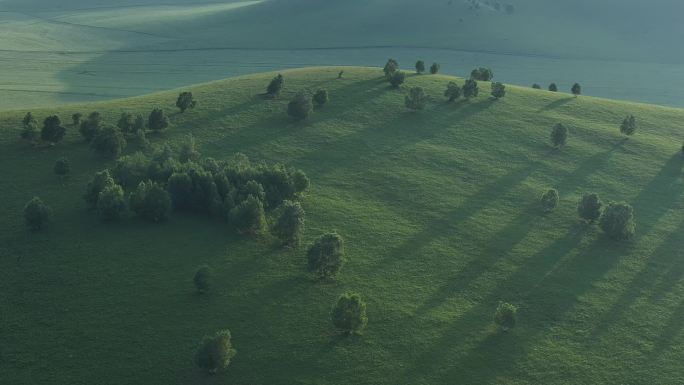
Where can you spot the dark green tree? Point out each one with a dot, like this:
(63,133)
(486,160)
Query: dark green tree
(549,200)
(109,142)
(300,107)
(576,89)
(349,314)
(390,67)
(76,119)
(326,256)
(180,189)
(420,67)
(91,126)
(470,89)
(151,202)
(434,68)
(111,203)
(289,224)
(482,74)
(126,122)
(536,86)
(202,279)
(100,181)
(215,352)
(618,221)
(139,124)
(553,87)
(52,131)
(248,217)
(504,317)
(498,90)
(559,135)
(590,207)
(29,120)
(416,99)
(397,78)
(37,214)
(62,167)
(185,100)
(628,126)
(275,86)
(157,121)
(30,128)
(453,91)
(320,98)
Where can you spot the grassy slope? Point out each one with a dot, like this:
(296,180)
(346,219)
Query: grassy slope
(439,212)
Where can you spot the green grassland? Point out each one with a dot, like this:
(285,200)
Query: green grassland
(81,50)
(439,210)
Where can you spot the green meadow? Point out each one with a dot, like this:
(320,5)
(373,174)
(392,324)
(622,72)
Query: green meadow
(440,214)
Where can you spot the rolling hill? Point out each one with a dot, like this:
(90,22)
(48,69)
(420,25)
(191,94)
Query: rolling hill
(439,210)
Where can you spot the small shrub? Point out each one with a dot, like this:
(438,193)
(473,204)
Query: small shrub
(202,279)
(549,200)
(275,86)
(37,214)
(504,317)
(416,99)
(498,90)
(300,107)
(618,221)
(590,207)
(185,100)
(215,352)
(349,314)
(111,203)
(320,98)
(536,86)
(326,256)
(559,135)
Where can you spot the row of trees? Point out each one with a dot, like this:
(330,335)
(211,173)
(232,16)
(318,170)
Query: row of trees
(576,88)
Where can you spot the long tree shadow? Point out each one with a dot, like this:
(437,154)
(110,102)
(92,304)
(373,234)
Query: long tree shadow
(556,104)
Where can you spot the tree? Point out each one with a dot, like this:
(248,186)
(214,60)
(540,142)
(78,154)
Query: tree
(321,97)
(470,89)
(416,99)
(628,126)
(275,86)
(504,317)
(340,74)
(590,207)
(109,142)
(618,222)
(326,256)
(482,74)
(420,67)
(300,180)
(37,214)
(185,101)
(215,352)
(151,202)
(536,86)
(62,167)
(91,126)
(248,217)
(202,278)
(559,135)
(390,67)
(157,121)
(498,90)
(52,131)
(576,89)
(300,107)
(139,124)
(289,223)
(188,151)
(549,200)
(397,78)
(553,87)
(76,119)
(453,91)
(180,189)
(29,120)
(126,122)
(111,203)
(30,128)
(434,68)
(349,314)
(100,181)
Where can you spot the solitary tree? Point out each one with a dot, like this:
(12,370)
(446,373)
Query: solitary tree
(470,89)
(185,101)
(498,90)
(618,221)
(549,200)
(300,107)
(289,224)
(326,256)
(321,97)
(37,214)
(452,92)
(390,67)
(30,132)
(397,78)
(29,120)
(590,207)
(416,99)
(157,120)
(420,67)
(100,181)
(559,135)
(109,142)
(553,87)
(536,86)
(62,167)
(248,217)
(215,352)
(349,314)
(275,86)
(111,203)
(504,317)
(202,278)
(126,122)
(76,119)
(628,126)
(52,131)
(576,89)
(434,68)
(151,202)
(482,74)
(90,127)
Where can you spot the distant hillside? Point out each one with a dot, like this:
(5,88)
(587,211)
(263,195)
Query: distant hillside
(441,218)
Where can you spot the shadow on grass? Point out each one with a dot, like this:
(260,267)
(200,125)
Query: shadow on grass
(556,104)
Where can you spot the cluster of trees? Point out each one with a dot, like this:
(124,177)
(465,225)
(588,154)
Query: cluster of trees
(420,67)
(302,104)
(51,132)
(576,88)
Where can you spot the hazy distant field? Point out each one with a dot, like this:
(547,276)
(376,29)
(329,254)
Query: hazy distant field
(76,50)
